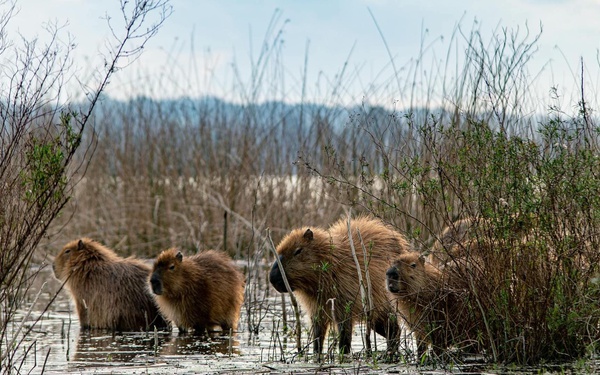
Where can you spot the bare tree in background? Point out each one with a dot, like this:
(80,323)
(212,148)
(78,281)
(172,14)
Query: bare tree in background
(42,143)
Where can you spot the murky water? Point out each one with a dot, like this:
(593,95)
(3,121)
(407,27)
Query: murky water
(56,345)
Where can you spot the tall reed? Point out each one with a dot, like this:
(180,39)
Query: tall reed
(462,144)
(480,155)
(40,137)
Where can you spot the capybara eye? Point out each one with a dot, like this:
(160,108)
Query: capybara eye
(172,267)
(413,265)
(67,251)
(298,251)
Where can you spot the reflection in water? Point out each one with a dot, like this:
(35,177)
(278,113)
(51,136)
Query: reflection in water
(59,346)
(184,344)
(98,346)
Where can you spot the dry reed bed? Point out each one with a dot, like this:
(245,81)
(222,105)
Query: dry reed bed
(166,173)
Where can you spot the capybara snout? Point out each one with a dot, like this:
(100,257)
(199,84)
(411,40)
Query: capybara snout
(392,273)
(276,279)
(156,284)
(392,279)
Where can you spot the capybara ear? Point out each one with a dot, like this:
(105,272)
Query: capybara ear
(80,245)
(179,256)
(308,235)
(422,260)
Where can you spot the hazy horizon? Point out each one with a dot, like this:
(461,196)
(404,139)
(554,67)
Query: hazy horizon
(336,52)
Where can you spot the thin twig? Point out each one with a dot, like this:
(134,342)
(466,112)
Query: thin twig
(368,278)
(363,293)
(292,297)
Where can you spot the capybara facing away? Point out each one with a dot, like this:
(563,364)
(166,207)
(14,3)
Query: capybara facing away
(110,292)
(463,236)
(198,292)
(427,300)
(449,245)
(321,270)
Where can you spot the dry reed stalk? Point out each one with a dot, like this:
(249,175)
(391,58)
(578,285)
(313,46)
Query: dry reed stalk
(363,293)
(368,278)
(283,313)
(298,331)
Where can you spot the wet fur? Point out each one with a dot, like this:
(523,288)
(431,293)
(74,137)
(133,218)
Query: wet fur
(109,291)
(201,291)
(324,269)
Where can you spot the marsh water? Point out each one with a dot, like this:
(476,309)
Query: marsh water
(57,346)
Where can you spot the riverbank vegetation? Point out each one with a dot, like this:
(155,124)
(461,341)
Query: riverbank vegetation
(468,142)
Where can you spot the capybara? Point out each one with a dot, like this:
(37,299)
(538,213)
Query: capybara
(198,292)
(458,239)
(428,300)
(110,292)
(321,271)
(450,242)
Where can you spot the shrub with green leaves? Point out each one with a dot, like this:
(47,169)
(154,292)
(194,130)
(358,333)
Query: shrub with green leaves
(40,136)
(531,186)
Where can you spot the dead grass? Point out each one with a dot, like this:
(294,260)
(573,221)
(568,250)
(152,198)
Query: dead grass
(207,174)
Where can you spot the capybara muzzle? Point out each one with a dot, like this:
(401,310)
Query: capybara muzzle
(276,279)
(392,279)
(156,284)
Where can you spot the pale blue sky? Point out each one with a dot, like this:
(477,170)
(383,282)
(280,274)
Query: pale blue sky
(197,47)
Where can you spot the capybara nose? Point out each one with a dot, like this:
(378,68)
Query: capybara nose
(392,273)
(156,285)
(276,279)
(392,277)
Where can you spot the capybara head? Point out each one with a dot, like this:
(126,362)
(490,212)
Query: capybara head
(407,275)
(166,274)
(302,253)
(75,253)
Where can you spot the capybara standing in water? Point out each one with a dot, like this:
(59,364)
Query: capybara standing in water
(321,270)
(199,291)
(428,302)
(110,292)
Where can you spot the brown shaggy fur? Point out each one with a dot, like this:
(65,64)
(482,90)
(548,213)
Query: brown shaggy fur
(462,237)
(450,242)
(200,291)
(427,301)
(110,292)
(319,266)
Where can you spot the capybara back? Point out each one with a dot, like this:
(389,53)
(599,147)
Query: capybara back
(109,292)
